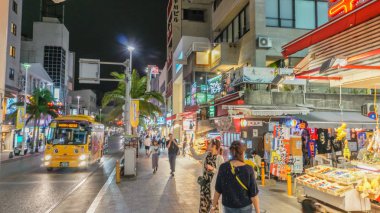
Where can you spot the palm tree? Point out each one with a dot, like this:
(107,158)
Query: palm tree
(39,106)
(138,91)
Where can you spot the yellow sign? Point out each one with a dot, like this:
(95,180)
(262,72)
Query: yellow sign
(134,113)
(68,125)
(20,117)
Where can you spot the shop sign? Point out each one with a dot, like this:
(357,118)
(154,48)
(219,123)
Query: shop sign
(255,133)
(20,117)
(201,98)
(211,111)
(216,55)
(258,75)
(6,128)
(245,123)
(160,120)
(10,109)
(215,85)
(176,11)
(340,7)
(188,125)
(134,113)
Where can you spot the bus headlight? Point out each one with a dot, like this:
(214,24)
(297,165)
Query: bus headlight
(82,157)
(47,157)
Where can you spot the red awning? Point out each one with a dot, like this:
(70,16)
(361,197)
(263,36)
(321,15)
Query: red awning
(356,17)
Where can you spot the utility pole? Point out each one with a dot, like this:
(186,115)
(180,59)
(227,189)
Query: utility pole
(27,66)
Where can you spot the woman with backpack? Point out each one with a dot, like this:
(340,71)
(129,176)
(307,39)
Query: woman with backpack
(211,160)
(236,183)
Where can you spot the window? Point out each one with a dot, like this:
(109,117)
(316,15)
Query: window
(11,74)
(235,30)
(13,29)
(302,14)
(12,51)
(193,15)
(14,6)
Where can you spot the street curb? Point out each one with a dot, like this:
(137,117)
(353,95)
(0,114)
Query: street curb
(20,158)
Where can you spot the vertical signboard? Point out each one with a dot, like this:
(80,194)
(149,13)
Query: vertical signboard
(134,113)
(20,117)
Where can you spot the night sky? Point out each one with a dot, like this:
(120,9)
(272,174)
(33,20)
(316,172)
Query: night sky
(100,29)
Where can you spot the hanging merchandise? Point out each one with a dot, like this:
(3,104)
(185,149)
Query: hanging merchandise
(311,148)
(341,132)
(346,151)
(323,141)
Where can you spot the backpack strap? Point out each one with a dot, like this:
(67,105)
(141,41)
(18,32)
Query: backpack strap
(237,178)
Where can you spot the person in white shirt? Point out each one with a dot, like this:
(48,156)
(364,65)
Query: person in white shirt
(147,143)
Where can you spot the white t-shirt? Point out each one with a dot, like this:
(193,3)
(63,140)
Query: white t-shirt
(155,149)
(147,142)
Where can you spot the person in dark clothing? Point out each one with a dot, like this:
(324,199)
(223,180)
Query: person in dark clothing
(172,151)
(237,184)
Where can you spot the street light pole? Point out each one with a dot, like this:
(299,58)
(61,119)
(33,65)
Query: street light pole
(78,97)
(26,66)
(128,92)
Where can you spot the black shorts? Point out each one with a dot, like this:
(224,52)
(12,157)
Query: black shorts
(146,148)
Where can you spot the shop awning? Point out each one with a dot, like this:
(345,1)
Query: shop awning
(334,120)
(355,17)
(265,111)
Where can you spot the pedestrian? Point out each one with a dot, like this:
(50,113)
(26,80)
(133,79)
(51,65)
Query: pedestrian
(236,183)
(155,152)
(184,146)
(141,141)
(211,161)
(173,149)
(147,143)
(163,143)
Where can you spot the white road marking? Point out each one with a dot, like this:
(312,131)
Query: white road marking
(102,192)
(73,190)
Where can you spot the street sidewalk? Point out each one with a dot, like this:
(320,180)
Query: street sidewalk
(159,192)
(4,156)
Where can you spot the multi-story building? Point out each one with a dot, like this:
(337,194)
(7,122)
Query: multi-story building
(50,47)
(85,100)
(10,39)
(240,61)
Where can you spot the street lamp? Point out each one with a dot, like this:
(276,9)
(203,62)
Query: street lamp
(26,66)
(128,92)
(78,97)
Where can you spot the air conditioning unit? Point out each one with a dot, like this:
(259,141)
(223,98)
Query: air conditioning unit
(264,42)
(369,108)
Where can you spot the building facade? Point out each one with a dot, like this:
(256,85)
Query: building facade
(85,100)
(50,47)
(10,39)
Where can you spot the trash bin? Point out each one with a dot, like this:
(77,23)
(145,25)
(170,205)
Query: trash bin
(129,161)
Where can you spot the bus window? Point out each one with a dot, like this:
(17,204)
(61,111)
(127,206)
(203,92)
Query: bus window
(64,136)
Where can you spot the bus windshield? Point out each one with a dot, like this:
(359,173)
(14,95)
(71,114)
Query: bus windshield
(69,136)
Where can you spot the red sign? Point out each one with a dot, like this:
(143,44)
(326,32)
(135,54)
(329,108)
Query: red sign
(341,7)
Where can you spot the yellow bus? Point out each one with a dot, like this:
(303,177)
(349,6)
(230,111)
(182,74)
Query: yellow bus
(74,142)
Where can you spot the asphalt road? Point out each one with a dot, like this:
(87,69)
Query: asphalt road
(26,186)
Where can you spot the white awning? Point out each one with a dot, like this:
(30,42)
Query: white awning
(335,119)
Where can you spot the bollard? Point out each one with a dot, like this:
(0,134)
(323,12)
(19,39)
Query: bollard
(262,173)
(117,171)
(289,181)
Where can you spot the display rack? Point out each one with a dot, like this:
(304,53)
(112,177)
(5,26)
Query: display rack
(348,201)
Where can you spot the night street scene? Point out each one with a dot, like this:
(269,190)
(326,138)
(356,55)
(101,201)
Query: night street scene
(189,106)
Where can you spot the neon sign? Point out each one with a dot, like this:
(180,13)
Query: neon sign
(340,7)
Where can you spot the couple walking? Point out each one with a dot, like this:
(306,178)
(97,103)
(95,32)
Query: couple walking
(233,179)
(154,150)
